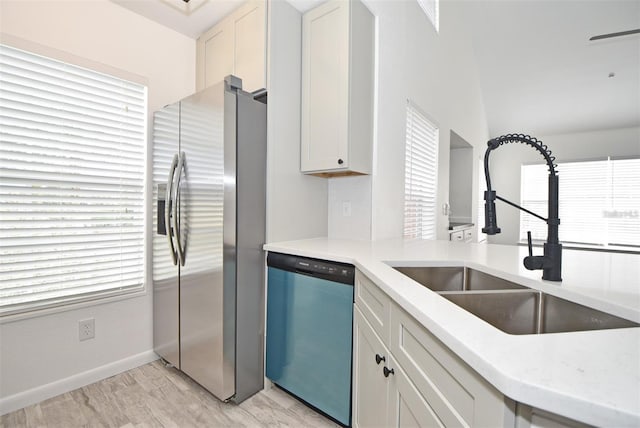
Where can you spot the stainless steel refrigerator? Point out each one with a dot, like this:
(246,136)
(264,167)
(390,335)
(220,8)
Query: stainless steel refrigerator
(209,167)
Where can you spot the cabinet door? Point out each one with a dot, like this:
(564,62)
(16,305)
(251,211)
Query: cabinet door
(455,392)
(407,407)
(325,79)
(236,45)
(249,53)
(370,387)
(215,54)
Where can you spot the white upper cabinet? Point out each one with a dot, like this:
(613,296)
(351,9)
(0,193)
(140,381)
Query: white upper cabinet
(337,89)
(236,45)
(214,58)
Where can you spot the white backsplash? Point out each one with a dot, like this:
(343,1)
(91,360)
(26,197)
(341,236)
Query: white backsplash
(349,201)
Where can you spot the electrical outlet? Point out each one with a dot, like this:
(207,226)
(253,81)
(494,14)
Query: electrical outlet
(346,208)
(86,329)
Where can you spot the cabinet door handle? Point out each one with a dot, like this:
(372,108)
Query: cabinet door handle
(340,161)
(387,371)
(379,359)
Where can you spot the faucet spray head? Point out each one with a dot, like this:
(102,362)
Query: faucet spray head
(490,220)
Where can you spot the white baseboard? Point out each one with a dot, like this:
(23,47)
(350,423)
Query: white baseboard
(41,393)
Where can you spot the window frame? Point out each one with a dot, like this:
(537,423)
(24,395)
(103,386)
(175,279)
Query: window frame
(58,304)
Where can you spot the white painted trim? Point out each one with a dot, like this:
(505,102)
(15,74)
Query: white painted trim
(94,300)
(61,55)
(44,392)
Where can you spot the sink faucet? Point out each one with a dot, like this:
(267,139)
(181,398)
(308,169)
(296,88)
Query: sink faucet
(551,260)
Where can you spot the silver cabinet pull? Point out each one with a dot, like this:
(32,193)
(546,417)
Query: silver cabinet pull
(176,220)
(167,207)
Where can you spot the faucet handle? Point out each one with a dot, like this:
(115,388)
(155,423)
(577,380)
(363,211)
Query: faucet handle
(533,262)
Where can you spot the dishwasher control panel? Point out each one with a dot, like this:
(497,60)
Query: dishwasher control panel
(332,271)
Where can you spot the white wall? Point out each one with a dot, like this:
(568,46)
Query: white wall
(437,72)
(352,221)
(505,163)
(296,203)
(41,356)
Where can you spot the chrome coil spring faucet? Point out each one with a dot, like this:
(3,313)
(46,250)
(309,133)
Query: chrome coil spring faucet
(551,260)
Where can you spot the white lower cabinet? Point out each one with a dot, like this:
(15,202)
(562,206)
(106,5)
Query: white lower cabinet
(385,394)
(465,235)
(408,408)
(371,388)
(455,392)
(413,380)
(403,376)
(530,417)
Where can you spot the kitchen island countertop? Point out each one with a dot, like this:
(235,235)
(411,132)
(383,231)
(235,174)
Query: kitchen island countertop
(589,376)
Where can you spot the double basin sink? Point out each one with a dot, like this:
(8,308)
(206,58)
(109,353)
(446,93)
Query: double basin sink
(511,307)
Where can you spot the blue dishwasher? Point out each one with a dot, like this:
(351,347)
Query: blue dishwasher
(309,331)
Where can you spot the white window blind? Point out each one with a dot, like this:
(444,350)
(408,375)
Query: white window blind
(72,167)
(421,172)
(599,202)
(432,10)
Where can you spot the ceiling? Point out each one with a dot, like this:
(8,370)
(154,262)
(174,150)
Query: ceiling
(196,16)
(191,19)
(539,73)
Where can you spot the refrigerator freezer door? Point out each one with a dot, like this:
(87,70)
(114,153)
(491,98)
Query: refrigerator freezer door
(166,137)
(207,323)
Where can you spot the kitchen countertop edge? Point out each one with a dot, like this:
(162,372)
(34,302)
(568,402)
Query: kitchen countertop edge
(576,382)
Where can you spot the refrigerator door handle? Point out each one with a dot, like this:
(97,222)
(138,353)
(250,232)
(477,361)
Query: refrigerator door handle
(176,220)
(167,208)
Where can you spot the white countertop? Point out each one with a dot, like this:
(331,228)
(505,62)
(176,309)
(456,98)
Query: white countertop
(589,376)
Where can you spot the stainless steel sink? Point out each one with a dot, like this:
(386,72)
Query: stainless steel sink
(456,278)
(511,307)
(534,312)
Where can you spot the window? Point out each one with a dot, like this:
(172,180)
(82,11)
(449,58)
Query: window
(72,168)
(432,9)
(421,172)
(599,202)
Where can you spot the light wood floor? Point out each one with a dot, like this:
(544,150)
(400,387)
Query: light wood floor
(156,396)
